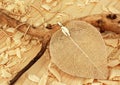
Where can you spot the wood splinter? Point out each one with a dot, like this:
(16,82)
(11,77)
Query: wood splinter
(108,22)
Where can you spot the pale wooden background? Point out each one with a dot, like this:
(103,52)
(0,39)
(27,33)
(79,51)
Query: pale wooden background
(67,13)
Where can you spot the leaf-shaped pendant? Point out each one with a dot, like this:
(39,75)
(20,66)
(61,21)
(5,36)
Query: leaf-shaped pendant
(83,54)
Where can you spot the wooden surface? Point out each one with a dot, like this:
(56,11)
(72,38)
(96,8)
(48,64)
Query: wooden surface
(65,13)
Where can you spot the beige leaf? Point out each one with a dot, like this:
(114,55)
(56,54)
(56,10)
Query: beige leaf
(83,50)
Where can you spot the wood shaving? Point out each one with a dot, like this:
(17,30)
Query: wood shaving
(23,49)
(17,37)
(11,52)
(105,9)
(13,63)
(12,30)
(3,49)
(111,42)
(86,81)
(94,1)
(46,7)
(69,3)
(86,2)
(24,19)
(33,78)
(48,1)
(55,3)
(57,83)
(8,42)
(114,63)
(97,83)
(43,80)
(113,10)
(18,52)
(4,83)
(5,73)
(54,72)
(3,59)
(115,72)
(108,82)
(33,42)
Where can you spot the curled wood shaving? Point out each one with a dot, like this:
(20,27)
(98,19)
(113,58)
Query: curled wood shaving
(33,78)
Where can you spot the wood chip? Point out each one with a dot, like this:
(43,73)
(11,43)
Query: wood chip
(3,49)
(18,52)
(97,83)
(115,72)
(48,1)
(33,78)
(12,30)
(54,3)
(8,42)
(86,81)
(34,42)
(54,72)
(13,63)
(46,7)
(5,74)
(24,19)
(11,52)
(113,10)
(57,83)
(108,82)
(111,42)
(43,80)
(114,63)
(4,83)
(3,59)
(17,37)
